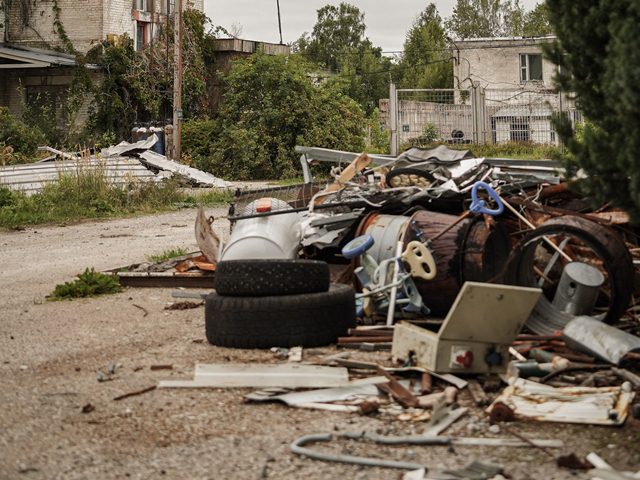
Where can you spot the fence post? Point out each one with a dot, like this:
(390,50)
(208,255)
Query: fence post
(393,118)
(478,112)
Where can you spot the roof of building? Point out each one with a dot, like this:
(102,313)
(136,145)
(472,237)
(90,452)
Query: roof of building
(249,46)
(503,41)
(18,56)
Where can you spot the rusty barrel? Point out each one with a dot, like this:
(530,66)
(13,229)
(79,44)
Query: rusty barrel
(467,252)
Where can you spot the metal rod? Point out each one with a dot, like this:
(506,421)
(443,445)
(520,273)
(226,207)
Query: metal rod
(551,263)
(394,288)
(533,227)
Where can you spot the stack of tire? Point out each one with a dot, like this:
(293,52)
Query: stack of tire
(277,303)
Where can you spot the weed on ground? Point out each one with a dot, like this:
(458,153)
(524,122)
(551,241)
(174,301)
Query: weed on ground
(167,254)
(88,284)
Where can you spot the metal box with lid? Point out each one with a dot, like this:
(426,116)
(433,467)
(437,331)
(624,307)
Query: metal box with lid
(476,334)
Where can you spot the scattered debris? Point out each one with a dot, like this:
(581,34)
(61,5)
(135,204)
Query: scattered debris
(256,375)
(161,367)
(591,336)
(590,405)
(88,408)
(133,394)
(144,310)
(475,470)
(183,305)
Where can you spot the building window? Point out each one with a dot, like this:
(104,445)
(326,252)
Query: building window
(167,6)
(530,67)
(142,5)
(520,129)
(141,35)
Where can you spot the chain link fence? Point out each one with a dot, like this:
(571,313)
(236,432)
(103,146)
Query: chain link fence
(476,115)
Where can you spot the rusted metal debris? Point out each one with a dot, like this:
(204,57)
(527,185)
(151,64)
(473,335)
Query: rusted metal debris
(136,393)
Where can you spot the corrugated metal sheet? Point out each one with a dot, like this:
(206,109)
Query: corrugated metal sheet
(32,177)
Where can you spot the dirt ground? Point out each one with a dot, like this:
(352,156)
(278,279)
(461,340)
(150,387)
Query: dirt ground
(51,353)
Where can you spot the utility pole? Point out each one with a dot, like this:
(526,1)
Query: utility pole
(279,22)
(177,81)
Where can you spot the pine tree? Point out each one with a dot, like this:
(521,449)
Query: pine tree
(598,51)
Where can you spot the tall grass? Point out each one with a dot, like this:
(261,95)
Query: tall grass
(88,194)
(515,150)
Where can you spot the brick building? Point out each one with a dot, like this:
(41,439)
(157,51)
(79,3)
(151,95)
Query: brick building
(85,22)
(31,38)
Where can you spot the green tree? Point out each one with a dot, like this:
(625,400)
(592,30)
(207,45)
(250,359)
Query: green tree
(338,43)
(270,106)
(426,60)
(536,22)
(338,31)
(364,76)
(486,18)
(598,51)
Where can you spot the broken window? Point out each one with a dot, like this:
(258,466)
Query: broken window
(530,67)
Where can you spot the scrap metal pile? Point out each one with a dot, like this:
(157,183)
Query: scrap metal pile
(488,269)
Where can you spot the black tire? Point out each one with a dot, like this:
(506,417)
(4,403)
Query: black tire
(546,319)
(309,319)
(409,176)
(267,277)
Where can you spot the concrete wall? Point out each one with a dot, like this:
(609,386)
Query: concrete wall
(495,63)
(15,85)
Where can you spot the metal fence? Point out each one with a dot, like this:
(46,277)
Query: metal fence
(475,115)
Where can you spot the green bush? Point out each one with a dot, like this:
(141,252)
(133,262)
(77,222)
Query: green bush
(88,284)
(270,106)
(24,139)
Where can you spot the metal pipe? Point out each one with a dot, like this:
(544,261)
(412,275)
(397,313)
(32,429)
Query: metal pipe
(297,447)
(533,227)
(394,288)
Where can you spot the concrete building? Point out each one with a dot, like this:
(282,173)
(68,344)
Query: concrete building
(502,91)
(514,63)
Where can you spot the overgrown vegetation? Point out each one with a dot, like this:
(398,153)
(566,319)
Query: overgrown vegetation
(270,106)
(167,254)
(516,150)
(138,86)
(89,194)
(87,284)
(18,141)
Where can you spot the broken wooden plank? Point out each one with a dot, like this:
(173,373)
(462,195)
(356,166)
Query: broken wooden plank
(166,279)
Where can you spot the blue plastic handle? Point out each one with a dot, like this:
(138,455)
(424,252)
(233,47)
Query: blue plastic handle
(478,205)
(357,246)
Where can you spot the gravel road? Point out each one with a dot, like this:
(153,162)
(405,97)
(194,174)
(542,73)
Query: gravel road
(51,353)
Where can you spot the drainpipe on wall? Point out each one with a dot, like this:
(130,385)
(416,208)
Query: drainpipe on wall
(5,20)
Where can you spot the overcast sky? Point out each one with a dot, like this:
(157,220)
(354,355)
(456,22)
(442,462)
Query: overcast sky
(387,20)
